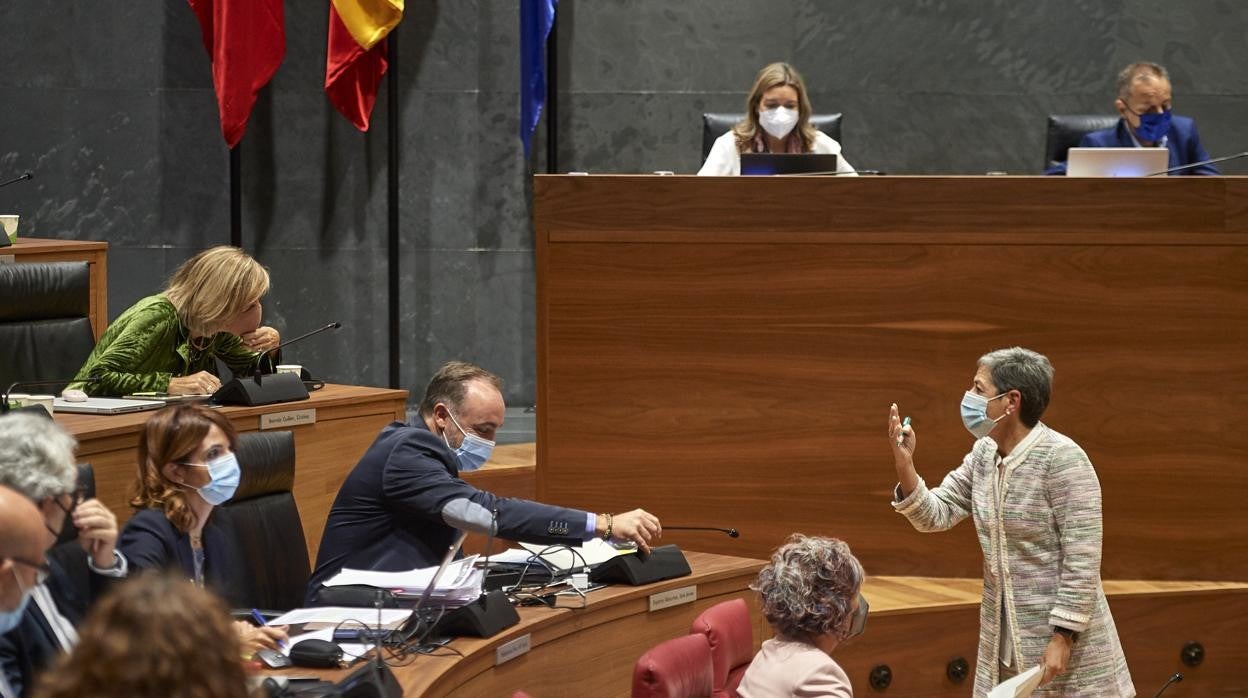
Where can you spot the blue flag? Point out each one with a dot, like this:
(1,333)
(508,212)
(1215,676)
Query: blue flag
(536,18)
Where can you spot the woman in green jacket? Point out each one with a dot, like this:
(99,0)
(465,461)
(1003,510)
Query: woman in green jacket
(169,342)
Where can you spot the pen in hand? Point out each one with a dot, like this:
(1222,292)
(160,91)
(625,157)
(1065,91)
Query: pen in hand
(901,435)
(255,614)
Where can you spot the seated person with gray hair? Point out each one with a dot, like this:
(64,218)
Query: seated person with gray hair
(811,595)
(1144,102)
(401,505)
(37,460)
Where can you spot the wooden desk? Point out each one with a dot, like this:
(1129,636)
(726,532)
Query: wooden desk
(94,254)
(347,420)
(724,350)
(588,652)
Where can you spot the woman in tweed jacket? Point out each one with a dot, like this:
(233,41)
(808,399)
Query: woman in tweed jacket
(1036,503)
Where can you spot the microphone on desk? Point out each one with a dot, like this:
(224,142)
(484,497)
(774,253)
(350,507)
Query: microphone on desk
(276,387)
(4,398)
(730,532)
(1173,680)
(1202,163)
(27,175)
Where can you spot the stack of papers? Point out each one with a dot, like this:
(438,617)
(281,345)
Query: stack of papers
(319,623)
(459,583)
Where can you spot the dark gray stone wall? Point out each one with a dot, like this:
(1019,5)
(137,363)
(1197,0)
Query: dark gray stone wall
(111,104)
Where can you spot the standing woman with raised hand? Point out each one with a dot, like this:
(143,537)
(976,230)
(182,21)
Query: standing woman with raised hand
(169,342)
(1036,503)
(777,120)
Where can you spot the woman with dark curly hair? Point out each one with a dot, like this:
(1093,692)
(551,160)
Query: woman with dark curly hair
(810,595)
(153,636)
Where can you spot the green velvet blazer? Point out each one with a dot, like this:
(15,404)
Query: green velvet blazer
(147,345)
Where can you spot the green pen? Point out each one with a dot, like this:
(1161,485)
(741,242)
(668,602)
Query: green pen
(904,423)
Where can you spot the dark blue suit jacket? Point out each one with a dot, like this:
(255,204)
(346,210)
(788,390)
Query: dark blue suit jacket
(151,541)
(1182,140)
(30,647)
(392,511)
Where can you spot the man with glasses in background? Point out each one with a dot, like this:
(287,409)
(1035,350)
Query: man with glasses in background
(1144,102)
(37,460)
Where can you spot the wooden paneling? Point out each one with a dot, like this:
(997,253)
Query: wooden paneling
(347,420)
(95,254)
(724,351)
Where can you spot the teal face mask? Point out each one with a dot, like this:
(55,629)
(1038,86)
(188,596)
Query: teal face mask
(473,452)
(975,414)
(225,475)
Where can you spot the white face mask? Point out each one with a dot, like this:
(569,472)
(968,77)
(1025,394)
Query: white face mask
(778,122)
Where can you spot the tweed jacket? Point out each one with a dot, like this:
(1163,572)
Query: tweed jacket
(1040,531)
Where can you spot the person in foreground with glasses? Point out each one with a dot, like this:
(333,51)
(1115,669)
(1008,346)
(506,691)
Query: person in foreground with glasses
(37,460)
(187,467)
(811,595)
(22,544)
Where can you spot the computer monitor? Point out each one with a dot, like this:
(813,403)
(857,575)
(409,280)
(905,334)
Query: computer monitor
(788,163)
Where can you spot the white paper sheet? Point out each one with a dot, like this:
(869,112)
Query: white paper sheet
(333,615)
(1020,686)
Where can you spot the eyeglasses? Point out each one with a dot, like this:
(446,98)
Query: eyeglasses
(1155,109)
(42,569)
(76,498)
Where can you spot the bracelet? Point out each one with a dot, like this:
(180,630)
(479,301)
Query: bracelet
(610,526)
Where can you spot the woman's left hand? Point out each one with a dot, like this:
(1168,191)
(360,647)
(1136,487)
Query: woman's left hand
(261,339)
(1056,657)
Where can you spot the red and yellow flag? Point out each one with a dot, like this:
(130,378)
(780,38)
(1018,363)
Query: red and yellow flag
(356,57)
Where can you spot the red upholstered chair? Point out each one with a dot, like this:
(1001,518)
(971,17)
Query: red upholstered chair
(678,668)
(730,634)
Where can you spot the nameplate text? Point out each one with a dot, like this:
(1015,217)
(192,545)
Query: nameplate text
(510,650)
(286,420)
(673,597)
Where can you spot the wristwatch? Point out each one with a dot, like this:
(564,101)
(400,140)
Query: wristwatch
(1067,632)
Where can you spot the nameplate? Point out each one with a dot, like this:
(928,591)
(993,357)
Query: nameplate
(510,650)
(673,597)
(286,420)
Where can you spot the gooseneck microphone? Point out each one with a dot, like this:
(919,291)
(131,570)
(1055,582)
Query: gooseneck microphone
(4,398)
(27,175)
(1202,163)
(730,532)
(1173,680)
(256,369)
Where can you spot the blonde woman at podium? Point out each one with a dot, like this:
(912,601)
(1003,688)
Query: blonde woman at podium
(777,120)
(169,342)
(1036,503)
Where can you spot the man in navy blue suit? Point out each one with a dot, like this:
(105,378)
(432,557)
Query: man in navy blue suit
(401,506)
(1144,103)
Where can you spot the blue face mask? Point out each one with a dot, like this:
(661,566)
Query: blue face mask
(1153,127)
(225,475)
(975,414)
(473,452)
(10,619)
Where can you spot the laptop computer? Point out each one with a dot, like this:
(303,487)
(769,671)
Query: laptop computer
(1116,162)
(415,622)
(788,163)
(106,405)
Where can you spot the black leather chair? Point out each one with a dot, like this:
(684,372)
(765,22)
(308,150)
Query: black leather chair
(263,521)
(1066,130)
(716,125)
(45,328)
